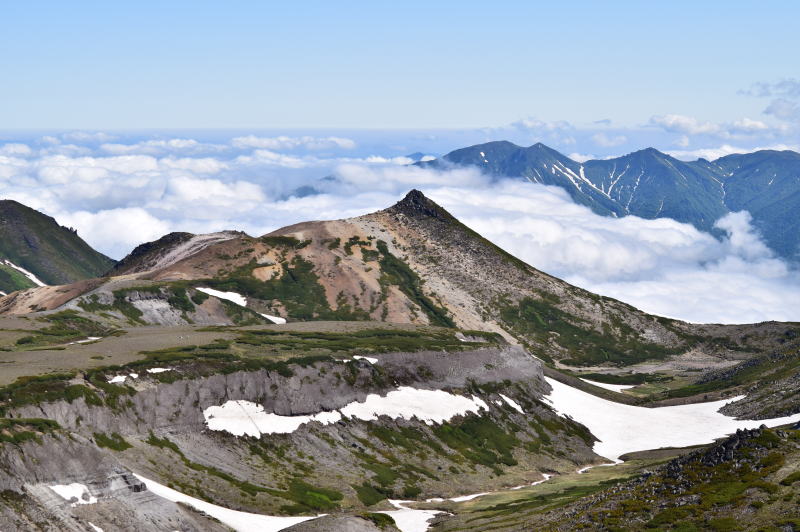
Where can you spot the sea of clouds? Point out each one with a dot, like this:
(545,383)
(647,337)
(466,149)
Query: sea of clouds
(119,192)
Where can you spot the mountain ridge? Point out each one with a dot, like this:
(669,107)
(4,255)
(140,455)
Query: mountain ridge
(651,184)
(36,244)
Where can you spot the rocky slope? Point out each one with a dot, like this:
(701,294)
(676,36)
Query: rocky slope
(748,481)
(151,418)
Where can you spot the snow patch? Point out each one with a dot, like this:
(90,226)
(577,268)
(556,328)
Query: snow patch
(240,300)
(613,387)
(76,491)
(368,359)
(35,280)
(465,498)
(545,478)
(95,528)
(512,403)
(233,297)
(275,319)
(410,520)
(239,521)
(121,378)
(624,428)
(158,370)
(242,418)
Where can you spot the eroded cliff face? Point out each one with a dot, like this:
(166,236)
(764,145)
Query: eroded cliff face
(160,432)
(179,406)
(104,492)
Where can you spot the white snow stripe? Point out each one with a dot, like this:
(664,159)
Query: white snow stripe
(233,297)
(239,521)
(613,387)
(35,280)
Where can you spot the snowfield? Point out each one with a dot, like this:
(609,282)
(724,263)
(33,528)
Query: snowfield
(76,491)
(242,418)
(623,428)
(239,521)
(408,519)
(613,387)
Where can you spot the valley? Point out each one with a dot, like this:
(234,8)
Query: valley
(412,360)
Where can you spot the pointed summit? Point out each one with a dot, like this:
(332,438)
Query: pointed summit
(417,205)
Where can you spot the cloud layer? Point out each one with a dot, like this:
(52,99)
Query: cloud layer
(120,192)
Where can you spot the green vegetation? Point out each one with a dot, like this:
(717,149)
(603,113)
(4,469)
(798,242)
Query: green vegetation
(480,440)
(114,442)
(758,372)
(630,378)
(65,326)
(297,289)
(395,272)
(305,497)
(368,494)
(20,430)
(363,341)
(12,279)
(59,255)
(175,294)
(379,520)
(284,242)
(354,241)
(543,322)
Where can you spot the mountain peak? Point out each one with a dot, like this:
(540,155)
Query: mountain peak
(416,204)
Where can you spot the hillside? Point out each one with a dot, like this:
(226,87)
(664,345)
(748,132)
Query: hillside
(397,265)
(405,371)
(748,481)
(35,249)
(652,184)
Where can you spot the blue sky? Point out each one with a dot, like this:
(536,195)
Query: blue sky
(381,65)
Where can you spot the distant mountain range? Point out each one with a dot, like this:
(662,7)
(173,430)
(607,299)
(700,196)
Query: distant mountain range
(36,250)
(652,184)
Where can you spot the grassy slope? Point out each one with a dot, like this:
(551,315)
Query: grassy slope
(750,481)
(53,253)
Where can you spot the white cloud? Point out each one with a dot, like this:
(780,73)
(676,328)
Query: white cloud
(687,125)
(660,266)
(783,109)
(581,157)
(608,141)
(86,136)
(118,201)
(684,124)
(726,149)
(290,143)
(116,229)
(16,150)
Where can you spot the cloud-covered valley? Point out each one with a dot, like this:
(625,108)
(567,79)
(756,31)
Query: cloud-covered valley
(119,193)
